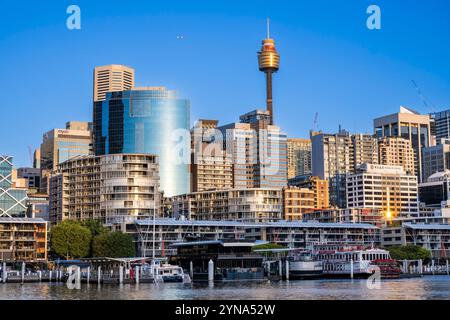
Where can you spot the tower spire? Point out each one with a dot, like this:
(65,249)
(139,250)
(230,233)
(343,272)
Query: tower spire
(268,28)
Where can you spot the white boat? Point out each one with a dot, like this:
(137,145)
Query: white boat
(164,272)
(342,263)
(304,265)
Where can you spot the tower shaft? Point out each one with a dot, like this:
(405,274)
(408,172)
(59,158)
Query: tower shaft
(269,101)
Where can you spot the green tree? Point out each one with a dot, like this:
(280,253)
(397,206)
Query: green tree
(113,245)
(409,252)
(95,226)
(70,239)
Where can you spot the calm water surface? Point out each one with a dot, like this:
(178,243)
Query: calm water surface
(429,288)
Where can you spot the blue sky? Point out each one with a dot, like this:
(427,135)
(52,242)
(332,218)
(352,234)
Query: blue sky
(331,63)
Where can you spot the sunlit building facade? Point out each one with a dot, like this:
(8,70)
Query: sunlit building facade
(13,199)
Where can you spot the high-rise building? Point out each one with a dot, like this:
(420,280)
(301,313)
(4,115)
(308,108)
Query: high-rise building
(365,149)
(387,188)
(269,63)
(112,78)
(151,120)
(441,125)
(13,197)
(299,157)
(111,188)
(244,205)
(436,159)
(410,125)
(32,177)
(296,202)
(336,155)
(59,145)
(317,185)
(397,151)
(211,168)
(258,152)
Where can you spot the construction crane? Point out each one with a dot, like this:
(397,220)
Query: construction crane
(316,121)
(430,107)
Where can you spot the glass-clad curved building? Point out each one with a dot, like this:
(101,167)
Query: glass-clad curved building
(147,120)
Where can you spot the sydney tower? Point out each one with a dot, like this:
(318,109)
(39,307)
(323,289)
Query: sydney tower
(269,63)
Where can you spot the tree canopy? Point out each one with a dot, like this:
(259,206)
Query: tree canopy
(409,252)
(113,245)
(70,239)
(268,246)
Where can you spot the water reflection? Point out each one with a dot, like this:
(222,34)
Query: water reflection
(428,288)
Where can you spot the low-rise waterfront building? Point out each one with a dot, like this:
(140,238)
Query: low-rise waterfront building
(436,190)
(434,237)
(23,239)
(336,215)
(295,234)
(105,187)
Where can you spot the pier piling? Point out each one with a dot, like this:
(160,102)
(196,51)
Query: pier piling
(4,273)
(99,274)
(287,270)
(88,274)
(280,268)
(191,269)
(448,271)
(137,274)
(23,272)
(121,275)
(351,268)
(211,271)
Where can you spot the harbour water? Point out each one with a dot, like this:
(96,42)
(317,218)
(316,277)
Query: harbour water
(425,288)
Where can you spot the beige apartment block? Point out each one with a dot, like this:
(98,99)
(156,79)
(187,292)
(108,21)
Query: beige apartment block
(296,202)
(244,205)
(397,151)
(211,169)
(299,157)
(112,78)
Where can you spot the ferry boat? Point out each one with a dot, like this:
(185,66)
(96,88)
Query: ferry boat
(304,265)
(362,263)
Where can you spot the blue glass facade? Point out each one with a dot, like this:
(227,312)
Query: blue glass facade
(12,200)
(147,121)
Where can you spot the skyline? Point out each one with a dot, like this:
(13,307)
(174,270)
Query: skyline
(381,71)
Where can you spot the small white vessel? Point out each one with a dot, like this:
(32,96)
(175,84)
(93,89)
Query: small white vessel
(164,272)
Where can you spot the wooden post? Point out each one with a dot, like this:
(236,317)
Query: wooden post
(448,271)
(50,276)
(420,267)
(40,275)
(191,270)
(432,266)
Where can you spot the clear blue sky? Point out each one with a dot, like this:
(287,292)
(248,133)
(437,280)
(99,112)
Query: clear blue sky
(331,63)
